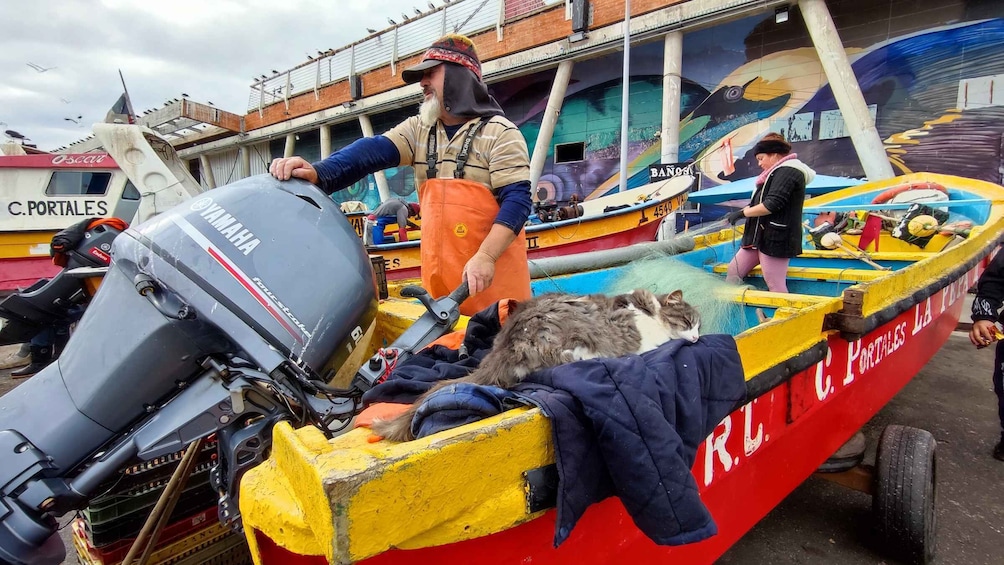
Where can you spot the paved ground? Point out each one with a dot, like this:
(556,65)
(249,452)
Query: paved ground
(821,523)
(953,399)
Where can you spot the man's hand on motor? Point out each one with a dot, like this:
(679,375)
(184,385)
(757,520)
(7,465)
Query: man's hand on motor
(479,272)
(983,333)
(286,168)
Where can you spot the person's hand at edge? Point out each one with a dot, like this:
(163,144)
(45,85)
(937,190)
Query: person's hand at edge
(285,168)
(983,333)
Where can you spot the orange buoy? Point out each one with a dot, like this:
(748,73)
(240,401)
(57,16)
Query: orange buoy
(890,193)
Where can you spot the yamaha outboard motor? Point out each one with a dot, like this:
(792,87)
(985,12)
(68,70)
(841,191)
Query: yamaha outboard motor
(223,315)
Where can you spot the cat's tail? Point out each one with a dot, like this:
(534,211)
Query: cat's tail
(493,371)
(399,428)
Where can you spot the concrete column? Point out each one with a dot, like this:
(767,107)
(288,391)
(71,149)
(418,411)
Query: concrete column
(672,67)
(206,171)
(846,90)
(290,149)
(381,179)
(325,131)
(245,152)
(548,121)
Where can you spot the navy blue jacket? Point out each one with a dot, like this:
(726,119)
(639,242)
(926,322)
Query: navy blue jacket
(627,426)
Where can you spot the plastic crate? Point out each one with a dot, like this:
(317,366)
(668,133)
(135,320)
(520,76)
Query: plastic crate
(111,507)
(211,544)
(381,275)
(191,501)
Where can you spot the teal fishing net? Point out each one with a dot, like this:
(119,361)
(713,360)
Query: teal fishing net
(663,274)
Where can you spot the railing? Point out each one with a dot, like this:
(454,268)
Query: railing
(405,37)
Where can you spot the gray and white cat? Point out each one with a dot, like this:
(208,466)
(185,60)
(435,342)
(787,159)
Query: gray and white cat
(554,329)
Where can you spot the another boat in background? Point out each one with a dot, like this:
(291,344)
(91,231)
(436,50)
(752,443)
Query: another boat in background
(743,189)
(608,222)
(138,176)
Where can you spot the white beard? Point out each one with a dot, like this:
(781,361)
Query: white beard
(430,111)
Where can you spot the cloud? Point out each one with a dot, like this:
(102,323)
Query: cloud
(209,49)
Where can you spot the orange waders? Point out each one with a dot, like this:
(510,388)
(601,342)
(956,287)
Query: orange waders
(457,215)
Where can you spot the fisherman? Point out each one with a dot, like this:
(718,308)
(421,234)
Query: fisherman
(395,210)
(472,168)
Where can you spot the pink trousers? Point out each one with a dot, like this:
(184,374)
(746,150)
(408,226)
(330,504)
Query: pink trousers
(775,269)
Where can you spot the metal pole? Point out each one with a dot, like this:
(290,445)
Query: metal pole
(548,121)
(381,179)
(625,94)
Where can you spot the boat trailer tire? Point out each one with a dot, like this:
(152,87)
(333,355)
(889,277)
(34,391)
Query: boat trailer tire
(903,500)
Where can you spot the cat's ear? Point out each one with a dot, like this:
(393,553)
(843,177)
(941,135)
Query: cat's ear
(646,297)
(621,301)
(675,296)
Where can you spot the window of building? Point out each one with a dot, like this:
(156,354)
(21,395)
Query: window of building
(78,183)
(570,152)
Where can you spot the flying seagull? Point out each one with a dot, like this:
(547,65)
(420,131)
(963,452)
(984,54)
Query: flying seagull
(76,121)
(38,67)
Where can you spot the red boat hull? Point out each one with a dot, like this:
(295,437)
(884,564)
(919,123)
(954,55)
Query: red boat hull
(24,272)
(755,457)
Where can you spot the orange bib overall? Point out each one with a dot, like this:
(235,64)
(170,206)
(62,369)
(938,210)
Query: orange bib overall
(457,215)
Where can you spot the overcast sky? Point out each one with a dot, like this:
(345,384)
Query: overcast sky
(208,49)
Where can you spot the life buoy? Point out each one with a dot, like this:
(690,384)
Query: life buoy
(890,193)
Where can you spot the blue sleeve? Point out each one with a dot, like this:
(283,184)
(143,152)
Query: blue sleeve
(353,162)
(514,205)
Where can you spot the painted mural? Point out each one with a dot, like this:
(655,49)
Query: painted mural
(927,89)
(935,90)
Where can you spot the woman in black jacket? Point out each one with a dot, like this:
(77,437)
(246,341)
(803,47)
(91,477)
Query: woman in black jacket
(773,233)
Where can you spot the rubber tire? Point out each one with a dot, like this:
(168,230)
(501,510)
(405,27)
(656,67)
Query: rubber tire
(904,496)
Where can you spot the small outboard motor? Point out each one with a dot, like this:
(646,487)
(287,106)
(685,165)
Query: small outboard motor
(56,301)
(224,315)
